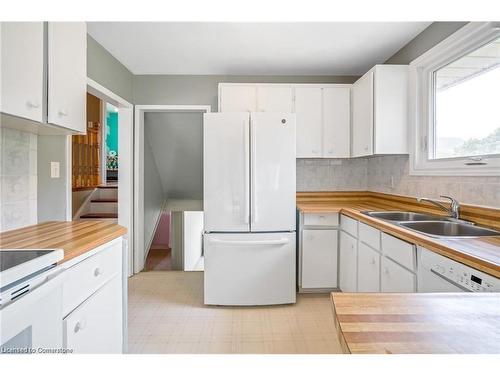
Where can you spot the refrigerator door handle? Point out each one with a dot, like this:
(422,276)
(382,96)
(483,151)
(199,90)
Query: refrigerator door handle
(247,174)
(280,242)
(253,141)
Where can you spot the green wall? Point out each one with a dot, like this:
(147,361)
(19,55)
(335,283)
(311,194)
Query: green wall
(112,133)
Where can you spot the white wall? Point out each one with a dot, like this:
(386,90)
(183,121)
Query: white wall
(18,179)
(153,194)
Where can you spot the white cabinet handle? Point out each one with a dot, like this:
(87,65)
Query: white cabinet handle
(80,325)
(97,272)
(386,271)
(372,261)
(32,105)
(63,113)
(366,148)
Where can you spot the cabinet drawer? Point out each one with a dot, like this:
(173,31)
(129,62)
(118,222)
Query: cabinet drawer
(395,278)
(400,251)
(84,278)
(327,219)
(349,225)
(96,325)
(369,236)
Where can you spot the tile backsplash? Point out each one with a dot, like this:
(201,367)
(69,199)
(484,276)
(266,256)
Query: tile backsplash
(482,191)
(375,174)
(18,179)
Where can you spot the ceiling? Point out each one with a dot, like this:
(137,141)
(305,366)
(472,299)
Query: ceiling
(299,48)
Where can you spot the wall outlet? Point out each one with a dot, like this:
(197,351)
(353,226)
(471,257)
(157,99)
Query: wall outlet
(54,169)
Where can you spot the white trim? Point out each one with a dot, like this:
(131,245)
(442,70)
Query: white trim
(104,129)
(69,178)
(468,38)
(125,145)
(139,250)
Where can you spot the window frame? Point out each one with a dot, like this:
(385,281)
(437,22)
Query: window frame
(421,104)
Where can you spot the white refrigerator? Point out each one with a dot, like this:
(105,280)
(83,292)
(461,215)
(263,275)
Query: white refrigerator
(249,208)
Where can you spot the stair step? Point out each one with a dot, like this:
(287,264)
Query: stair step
(100,215)
(105,200)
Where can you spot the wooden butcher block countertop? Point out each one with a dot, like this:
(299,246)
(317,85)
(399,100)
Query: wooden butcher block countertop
(418,323)
(482,253)
(74,237)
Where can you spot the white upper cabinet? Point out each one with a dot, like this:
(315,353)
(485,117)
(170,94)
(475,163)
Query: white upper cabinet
(336,121)
(237,98)
(274,98)
(67,77)
(362,116)
(380,111)
(323,112)
(22,69)
(308,108)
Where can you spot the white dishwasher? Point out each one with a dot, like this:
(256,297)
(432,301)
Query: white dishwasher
(437,273)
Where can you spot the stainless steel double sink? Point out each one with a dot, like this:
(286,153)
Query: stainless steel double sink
(433,225)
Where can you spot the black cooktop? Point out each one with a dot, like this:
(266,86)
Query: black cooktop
(12,258)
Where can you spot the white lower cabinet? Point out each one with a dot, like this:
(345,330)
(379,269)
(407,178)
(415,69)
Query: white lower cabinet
(348,250)
(96,325)
(368,269)
(319,258)
(395,278)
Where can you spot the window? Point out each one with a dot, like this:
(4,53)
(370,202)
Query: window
(467,105)
(455,89)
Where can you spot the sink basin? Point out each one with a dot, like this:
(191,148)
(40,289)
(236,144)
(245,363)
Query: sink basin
(403,216)
(447,229)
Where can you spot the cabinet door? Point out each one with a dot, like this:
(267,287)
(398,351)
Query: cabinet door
(238,98)
(22,69)
(362,116)
(395,278)
(347,260)
(319,258)
(368,269)
(96,325)
(274,99)
(308,105)
(67,77)
(336,122)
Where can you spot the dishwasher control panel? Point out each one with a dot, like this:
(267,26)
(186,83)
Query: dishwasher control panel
(465,277)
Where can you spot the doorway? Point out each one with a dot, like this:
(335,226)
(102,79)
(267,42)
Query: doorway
(168,182)
(125,185)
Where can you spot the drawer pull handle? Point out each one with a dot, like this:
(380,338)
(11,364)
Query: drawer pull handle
(372,261)
(97,272)
(386,271)
(80,325)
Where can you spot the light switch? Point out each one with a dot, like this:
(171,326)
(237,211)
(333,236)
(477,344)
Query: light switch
(54,169)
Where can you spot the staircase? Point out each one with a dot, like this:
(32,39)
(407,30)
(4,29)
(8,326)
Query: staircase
(101,205)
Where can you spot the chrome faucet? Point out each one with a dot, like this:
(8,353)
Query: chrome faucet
(453,210)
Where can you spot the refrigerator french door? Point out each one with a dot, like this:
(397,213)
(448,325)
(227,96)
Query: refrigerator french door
(249,208)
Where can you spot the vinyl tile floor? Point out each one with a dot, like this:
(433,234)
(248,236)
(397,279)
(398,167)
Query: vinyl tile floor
(167,315)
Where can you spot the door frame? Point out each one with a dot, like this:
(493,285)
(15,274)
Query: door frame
(139,250)
(125,170)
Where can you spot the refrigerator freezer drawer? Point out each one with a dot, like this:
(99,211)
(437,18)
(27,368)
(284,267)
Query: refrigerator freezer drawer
(249,268)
